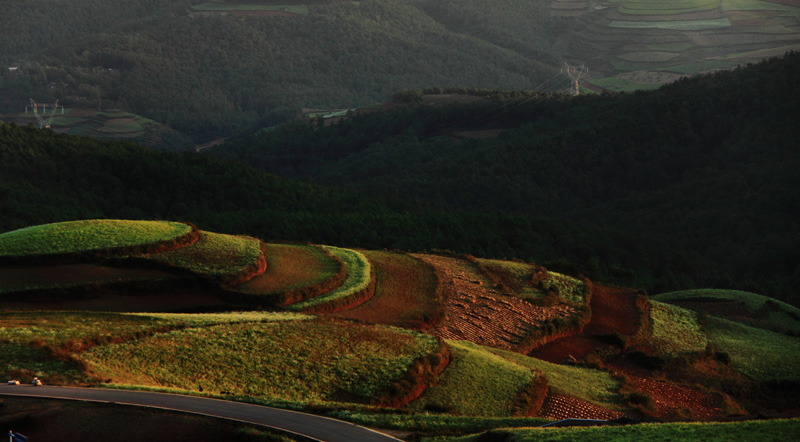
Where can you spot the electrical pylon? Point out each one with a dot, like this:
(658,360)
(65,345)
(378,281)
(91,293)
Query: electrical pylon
(44,124)
(575,73)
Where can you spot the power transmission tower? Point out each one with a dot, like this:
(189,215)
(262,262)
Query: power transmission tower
(44,124)
(575,73)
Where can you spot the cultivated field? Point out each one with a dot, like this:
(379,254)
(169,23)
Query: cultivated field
(678,37)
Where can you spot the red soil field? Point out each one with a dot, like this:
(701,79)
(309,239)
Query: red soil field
(578,346)
(614,310)
(478,313)
(404,292)
(75,275)
(290,267)
(558,406)
(674,401)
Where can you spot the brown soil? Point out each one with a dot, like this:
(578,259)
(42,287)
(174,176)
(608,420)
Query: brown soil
(614,310)
(404,291)
(187,299)
(674,401)
(75,274)
(558,406)
(477,312)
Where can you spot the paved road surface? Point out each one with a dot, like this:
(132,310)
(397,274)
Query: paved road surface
(309,425)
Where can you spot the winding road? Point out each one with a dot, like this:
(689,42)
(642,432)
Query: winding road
(314,427)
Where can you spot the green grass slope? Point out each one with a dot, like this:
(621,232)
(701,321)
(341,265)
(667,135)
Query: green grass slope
(299,361)
(762,431)
(746,307)
(475,383)
(225,258)
(77,237)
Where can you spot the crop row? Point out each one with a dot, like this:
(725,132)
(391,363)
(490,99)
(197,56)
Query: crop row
(357,287)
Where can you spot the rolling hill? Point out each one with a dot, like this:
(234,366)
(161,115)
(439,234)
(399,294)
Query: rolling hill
(700,172)
(227,68)
(630,357)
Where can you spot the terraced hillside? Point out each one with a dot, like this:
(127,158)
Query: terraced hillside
(641,44)
(420,332)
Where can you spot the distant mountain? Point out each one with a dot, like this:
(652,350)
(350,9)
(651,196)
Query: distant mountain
(707,165)
(220,69)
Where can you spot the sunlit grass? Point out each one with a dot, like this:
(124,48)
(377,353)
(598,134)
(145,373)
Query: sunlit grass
(751,431)
(476,383)
(758,353)
(214,255)
(87,235)
(290,360)
(675,330)
(358,270)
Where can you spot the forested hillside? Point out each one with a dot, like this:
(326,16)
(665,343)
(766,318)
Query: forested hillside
(217,74)
(49,177)
(707,165)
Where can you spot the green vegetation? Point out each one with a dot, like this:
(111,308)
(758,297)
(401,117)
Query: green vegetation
(89,235)
(761,431)
(435,422)
(763,311)
(202,72)
(475,383)
(588,384)
(215,255)
(760,354)
(675,330)
(359,276)
(621,85)
(291,360)
(674,25)
(625,181)
(659,7)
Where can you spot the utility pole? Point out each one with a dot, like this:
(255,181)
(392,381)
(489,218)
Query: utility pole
(575,73)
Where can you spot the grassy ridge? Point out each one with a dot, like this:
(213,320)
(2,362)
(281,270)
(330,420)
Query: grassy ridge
(217,256)
(763,311)
(675,330)
(758,353)
(588,384)
(476,383)
(359,278)
(296,361)
(753,431)
(87,235)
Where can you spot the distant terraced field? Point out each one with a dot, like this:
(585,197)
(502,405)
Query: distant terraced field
(628,44)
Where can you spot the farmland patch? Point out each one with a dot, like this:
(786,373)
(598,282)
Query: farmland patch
(291,267)
(479,313)
(294,361)
(406,292)
(475,383)
(357,287)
